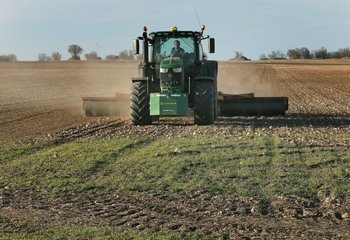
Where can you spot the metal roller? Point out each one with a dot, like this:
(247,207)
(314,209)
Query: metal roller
(248,105)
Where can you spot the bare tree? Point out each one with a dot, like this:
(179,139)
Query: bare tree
(273,55)
(8,58)
(320,53)
(12,57)
(263,57)
(92,56)
(305,53)
(112,57)
(277,55)
(126,55)
(75,51)
(56,56)
(299,53)
(43,57)
(342,52)
(293,54)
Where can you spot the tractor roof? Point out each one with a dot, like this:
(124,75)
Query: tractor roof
(174,34)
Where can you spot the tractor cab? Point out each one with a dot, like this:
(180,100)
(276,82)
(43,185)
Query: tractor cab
(176,58)
(165,44)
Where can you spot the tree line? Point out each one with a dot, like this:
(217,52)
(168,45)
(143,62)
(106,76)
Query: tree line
(8,58)
(305,53)
(75,51)
(296,53)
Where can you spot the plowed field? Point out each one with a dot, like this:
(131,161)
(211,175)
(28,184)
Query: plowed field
(42,101)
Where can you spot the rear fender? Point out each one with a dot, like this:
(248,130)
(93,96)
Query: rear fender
(212,68)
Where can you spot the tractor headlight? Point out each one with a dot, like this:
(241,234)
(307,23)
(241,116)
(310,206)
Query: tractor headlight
(177,70)
(164,70)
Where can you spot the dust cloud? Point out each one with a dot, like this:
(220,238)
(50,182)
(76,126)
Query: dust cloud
(57,82)
(105,78)
(240,78)
(43,97)
(54,82)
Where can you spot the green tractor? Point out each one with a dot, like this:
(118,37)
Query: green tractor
(176,76)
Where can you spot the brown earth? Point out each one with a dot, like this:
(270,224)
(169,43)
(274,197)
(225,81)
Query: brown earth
(37,99)
(42,100)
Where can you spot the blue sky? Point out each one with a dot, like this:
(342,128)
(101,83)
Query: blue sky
(253,27)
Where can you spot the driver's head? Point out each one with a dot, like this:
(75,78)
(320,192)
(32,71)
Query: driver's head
(177,44)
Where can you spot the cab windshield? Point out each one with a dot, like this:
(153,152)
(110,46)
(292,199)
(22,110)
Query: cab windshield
(163,48)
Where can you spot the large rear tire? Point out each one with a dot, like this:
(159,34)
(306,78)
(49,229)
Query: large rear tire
(204,102)
(212,71)
(139,104)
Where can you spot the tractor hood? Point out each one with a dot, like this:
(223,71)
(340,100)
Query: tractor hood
(171,62)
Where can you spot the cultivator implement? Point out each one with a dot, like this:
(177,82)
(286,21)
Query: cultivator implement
(228,105)
(248,105)
(106,106)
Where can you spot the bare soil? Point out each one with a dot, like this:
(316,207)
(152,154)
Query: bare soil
(37,99)
(42,100)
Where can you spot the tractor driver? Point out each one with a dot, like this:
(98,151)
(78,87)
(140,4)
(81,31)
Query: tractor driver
(177,51)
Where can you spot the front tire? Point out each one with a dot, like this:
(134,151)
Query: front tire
(204,102)
(139,104)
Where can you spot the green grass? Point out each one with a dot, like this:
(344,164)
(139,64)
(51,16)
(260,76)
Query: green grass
(100,233)
(258,166)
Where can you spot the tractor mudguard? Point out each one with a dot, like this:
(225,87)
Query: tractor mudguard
(212,68)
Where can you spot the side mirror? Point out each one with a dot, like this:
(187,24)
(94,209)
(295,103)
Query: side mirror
(211,45)
(136,46)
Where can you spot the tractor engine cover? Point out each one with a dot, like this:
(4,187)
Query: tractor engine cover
(171,75)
